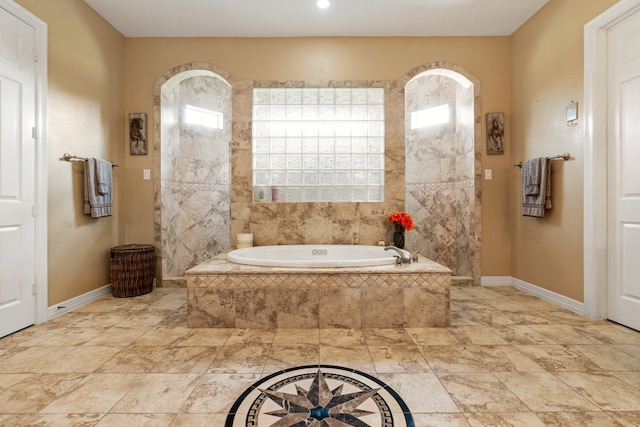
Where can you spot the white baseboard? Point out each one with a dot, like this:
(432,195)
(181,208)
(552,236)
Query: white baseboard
(542,293)
(496,281)
(77,302)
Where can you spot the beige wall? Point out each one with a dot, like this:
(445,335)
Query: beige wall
(94,71)
(85,118)
(547,74)
(324,59)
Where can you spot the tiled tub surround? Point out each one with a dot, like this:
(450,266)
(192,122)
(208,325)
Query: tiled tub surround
(221,294)
(349,223)
(313,222)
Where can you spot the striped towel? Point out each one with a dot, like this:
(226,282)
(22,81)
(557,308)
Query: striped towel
(536,204)
(97,188)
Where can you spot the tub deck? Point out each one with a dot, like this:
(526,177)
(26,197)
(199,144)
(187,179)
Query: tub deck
(221,294)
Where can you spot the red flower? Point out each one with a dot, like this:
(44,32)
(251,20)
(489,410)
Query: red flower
(401,218)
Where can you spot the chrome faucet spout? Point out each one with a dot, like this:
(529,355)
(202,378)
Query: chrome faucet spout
(402,257)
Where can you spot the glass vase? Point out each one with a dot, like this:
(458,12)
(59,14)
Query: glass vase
(398,237)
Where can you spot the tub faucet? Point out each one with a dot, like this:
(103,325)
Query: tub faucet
(402,257)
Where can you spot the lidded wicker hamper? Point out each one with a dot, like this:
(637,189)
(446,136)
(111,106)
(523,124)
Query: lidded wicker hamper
(132,270)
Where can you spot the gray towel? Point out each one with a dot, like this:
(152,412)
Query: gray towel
(103,176)
(531,175)
(536,205)
(96,204)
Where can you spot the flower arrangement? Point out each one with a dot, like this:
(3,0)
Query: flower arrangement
(401,219)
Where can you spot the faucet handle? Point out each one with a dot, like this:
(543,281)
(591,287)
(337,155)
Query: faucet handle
(414,257)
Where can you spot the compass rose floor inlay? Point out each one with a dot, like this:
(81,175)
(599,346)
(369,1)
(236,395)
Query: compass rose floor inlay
(319,396)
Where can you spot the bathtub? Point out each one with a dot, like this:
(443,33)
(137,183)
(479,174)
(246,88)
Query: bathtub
(226,294)
(311,256)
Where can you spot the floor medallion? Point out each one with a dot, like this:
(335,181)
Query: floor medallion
(319,396)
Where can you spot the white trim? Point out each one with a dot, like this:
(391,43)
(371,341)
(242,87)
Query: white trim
(41,230)
(595,157)
(496,281)
(550,296)
(77,302)
(542,293)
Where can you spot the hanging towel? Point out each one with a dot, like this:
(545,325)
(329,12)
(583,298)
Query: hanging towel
(536,205)
(96,204)
(531,175)
(103,176)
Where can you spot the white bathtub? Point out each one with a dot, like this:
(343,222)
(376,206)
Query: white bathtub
(313,256)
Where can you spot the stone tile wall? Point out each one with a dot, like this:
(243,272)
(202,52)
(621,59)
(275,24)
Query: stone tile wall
(439,174)
(317,222)
(415,295)
(306,223)
(194,167)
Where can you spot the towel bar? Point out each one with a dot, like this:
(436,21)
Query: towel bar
(565,156)
(71,158)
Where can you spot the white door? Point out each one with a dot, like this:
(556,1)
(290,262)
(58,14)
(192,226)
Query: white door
(17,174)
(623,165)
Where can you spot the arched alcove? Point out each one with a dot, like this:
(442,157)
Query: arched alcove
(443,166)
(192,179)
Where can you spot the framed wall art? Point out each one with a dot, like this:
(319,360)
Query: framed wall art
(495,133)
(138,134)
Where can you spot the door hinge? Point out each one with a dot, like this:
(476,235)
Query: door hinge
(34,289)
(34,133)
(35,210)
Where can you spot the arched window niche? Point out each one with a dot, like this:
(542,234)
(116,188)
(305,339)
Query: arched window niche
(442,167)
(192,160)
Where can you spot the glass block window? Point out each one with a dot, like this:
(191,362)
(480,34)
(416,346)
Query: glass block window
(318,145)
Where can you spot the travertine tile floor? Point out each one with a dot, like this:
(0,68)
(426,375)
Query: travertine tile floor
(509,359)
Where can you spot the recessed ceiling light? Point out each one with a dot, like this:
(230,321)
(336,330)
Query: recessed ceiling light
(323,4)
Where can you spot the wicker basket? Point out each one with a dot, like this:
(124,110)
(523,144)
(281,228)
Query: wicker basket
(132,270)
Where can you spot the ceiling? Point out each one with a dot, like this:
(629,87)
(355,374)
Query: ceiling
(299,18)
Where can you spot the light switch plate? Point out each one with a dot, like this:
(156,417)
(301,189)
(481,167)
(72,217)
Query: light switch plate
(488,174)
(146,174)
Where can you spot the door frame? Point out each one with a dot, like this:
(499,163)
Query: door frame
(595,156)
(40,167)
